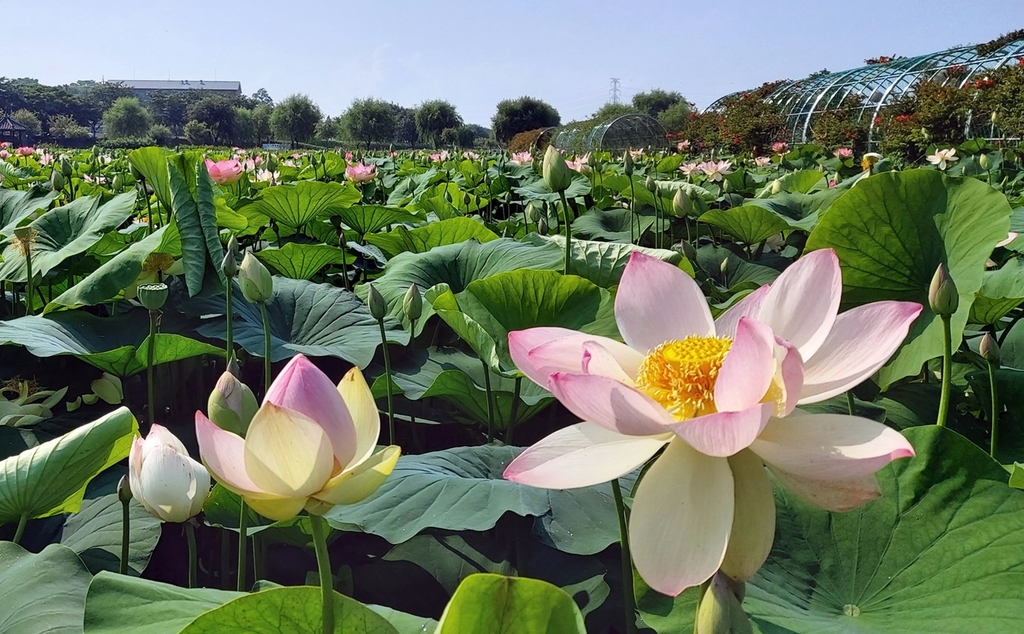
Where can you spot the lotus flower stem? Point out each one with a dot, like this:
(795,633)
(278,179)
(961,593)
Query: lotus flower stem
(387,371)
(490,401)
(850,405)
(149,207)
(266,345)
(125,536)
(632,211)
(515,410)
(994,439)
(190,535)
(947,370)
(28,282)
(243,528)
(323,562)
(568,233)
(18,532)
(229,347)
(154,316)
(628,598)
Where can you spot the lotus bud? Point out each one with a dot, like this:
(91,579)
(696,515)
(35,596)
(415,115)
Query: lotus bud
(994,117)
(682,204)
(983,161)
(233,245)
(412,303)
(229,265)
(989,349)
(272,163)
(136,174)
(124,490)
(542,225)
(627,163)
(165,479)
(533,211)
(943,297)
(687,250)
(256,281)
(378,307)
(776,186)
(651,184)
(108,388)
(720,610)
(57,181)
(557,175)
(232,405)
(66,169)
(725,185)
(153,296)
(118,183)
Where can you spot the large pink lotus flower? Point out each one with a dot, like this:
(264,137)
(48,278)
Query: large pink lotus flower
(224,172)
(25,150)
(579,164)
(360,173)
(716,170)
(310,445)
(843,153)
(720,397)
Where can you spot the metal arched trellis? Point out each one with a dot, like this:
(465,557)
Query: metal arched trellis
(628,131)
(878,85)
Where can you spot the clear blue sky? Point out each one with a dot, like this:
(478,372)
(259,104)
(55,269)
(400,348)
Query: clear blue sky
(476,52)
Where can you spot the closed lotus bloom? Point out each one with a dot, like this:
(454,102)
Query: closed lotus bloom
(557,175)
(225,172)
(360,173)
(170,484)
(310,446)
(254,278)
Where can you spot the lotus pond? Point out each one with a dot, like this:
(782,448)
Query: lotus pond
(446,392)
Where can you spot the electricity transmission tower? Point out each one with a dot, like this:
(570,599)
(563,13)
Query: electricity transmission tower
(614,90)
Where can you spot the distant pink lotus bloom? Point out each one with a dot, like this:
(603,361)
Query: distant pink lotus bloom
(470,156)
(5,144)
(843,153)
(438,157)
(224,172)
(393,154)
(258,160)
(45,158)
(780,147)
(683,146)
(297,156)
(25,150)
(688,168)
(521,158)
(717,402)
(4,154)
(249,165)
(832,183)
(348,157)
(360,173)
(636,154)
(716,170)
(761,161)
(580,164)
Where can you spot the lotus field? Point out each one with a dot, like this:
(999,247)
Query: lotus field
(397,392)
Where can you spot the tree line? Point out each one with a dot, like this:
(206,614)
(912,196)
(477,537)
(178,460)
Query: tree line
(78,112)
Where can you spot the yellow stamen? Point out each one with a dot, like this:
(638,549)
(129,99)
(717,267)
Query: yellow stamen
(681,375)
(157,261)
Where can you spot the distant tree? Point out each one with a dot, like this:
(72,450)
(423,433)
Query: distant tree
(611,110)
(405,125)
(126,118)
(197,133)
(98,96)
(656,101)
(261,96)
(244,131)
(170,107)
(522,114)
(432,117)
(28,119)
(160,134)
(261,122)
(64,127)
(328,129)
(370,121)
(295,118)
(218,114)
(675,117)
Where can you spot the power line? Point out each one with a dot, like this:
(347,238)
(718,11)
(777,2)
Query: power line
(614,90)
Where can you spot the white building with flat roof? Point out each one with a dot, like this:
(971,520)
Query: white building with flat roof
(143,87)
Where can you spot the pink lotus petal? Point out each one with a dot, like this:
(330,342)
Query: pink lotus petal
(791,369)
(613,405)
(658,302)
(753,522)
(597,360)
(832,495)
(860,343)
(681,519)
(802,303)
(158,436)
(724,433)
(540,352)
(829,446)
(581,455)
(749,306)
(1010,237)
(223,453)
(749,366)
(303,388)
